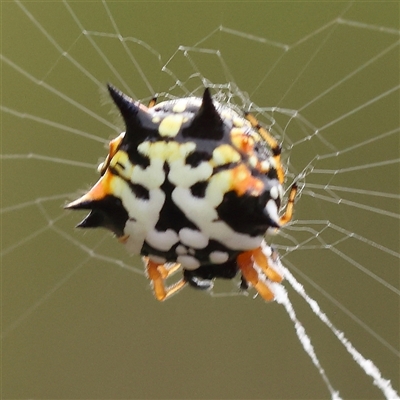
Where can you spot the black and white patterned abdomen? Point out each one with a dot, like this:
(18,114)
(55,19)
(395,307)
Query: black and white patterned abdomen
(190,181)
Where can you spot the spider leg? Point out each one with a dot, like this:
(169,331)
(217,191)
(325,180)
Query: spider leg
(262,261)
(167,272)
(287,216)
(245,263)
(272,143)
(152,102)
(158,273)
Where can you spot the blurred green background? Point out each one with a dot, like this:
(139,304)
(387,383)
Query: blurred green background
(77,325)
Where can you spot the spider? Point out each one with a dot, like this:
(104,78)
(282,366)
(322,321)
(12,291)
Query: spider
(191,185)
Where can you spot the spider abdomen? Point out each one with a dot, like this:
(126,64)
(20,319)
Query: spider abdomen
(188,182)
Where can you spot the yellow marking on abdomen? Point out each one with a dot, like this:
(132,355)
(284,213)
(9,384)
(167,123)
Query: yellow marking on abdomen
(170,125)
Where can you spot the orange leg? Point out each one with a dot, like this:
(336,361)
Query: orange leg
(287,216)
(166,272)
(245,263)
(262,261)
(158,273)
(152,102)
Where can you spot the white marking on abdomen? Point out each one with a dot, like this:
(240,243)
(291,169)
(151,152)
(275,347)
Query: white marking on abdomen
(201,211)
(274,193)
(272,210)
(162,240)
(219,257)
(188,262)
(143,215)
(193,238)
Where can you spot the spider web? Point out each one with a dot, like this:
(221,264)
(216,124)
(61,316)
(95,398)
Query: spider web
(78,318)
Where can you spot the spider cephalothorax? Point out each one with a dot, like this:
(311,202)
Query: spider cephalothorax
(190,183)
